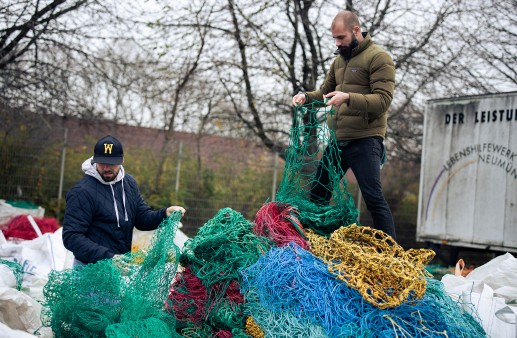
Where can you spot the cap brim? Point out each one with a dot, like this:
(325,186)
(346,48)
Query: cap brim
(108,160)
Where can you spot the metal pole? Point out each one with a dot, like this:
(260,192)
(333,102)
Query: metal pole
(178,167)
(62,174)
(275,167)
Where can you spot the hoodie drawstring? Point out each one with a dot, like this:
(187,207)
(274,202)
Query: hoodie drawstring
(124,200)
(115,204)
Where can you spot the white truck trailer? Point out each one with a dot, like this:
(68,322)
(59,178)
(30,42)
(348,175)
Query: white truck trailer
(468,182)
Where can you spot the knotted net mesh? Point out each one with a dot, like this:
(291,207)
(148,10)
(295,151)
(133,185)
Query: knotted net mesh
(308,138)
(206,294)
(371,262)
(116,298)
(292,280)
(17,271)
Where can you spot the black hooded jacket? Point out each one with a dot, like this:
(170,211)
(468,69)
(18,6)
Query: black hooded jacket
(100,216)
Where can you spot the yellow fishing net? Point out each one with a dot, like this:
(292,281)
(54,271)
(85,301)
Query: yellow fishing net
(371,262)
(253,329)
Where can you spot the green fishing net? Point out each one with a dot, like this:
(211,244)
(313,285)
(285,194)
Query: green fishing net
(116,297)
(17,271)
(224,245)
(206,297)
(308,138)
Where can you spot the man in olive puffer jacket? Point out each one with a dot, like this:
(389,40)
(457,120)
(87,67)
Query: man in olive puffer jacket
(360,85)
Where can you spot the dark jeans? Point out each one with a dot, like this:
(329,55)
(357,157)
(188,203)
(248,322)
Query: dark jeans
(363,156)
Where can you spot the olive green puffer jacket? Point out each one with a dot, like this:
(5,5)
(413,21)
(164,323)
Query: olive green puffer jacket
(369,78)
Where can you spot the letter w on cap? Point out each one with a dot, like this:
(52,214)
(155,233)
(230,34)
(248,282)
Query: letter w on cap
(108,147)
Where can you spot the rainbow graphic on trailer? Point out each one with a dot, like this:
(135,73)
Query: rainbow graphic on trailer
(468,183)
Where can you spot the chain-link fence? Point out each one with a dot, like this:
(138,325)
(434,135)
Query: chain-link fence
(41,157)
(30,159)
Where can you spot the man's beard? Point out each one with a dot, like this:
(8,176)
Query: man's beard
(108,175)
(346,52)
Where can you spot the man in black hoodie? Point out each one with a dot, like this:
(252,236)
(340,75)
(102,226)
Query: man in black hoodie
(105,206)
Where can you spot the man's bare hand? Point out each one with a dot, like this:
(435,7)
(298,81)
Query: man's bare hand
(299,99)
(336,98)
(173,208)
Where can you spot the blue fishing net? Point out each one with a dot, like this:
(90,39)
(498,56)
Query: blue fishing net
(294,280)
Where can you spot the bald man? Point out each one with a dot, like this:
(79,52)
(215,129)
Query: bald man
(360,86)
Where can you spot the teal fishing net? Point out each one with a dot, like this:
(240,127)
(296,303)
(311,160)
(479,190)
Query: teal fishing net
(116,298)
(309,136)
(279,323)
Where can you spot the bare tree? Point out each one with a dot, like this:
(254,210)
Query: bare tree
(490,32)
(27,24)
(274,49)
(163,65)
(38,40)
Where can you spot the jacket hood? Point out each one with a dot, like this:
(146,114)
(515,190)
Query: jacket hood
(90,169)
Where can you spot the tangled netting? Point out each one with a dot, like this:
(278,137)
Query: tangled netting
(205,296)
(19,227)
(308,137)
(279,222)
(294,280)
(371,262)
(301,269)
(116,298)
(268,323)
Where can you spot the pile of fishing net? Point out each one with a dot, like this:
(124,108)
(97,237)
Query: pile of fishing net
(116,298)
(237,280)
(297,270)
(206,296)
(291,293)
(371,262)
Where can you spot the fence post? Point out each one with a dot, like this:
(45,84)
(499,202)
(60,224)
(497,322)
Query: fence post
(62,174)
(273,188)
(178,168)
